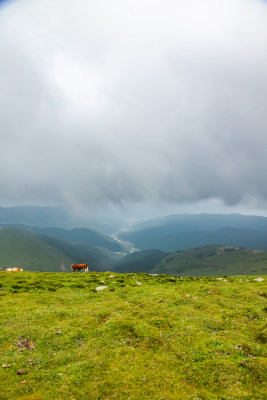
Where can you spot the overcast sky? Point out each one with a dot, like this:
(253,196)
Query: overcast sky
(154,105)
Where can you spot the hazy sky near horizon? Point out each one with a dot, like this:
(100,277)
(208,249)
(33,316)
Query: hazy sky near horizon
(134,104)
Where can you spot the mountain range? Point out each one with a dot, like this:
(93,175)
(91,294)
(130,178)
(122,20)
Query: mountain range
(87,236)
(59,217)
(180,232)
(177,244)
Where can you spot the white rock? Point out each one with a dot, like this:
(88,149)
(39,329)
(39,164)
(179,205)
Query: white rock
(138,283)
(259,279)
(101,287)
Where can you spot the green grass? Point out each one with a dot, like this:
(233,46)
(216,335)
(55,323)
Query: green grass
(166,339)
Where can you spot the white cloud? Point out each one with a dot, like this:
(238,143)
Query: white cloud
(131,101)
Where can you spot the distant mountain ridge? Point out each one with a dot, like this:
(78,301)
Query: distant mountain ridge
(77,235)
(180,232)
(204,221)
(57,216)
(34,215)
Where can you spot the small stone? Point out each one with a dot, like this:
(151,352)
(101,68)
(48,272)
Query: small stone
(31,361)
(101,287)
(58,332)
(23,382)
(21,372)
(259,279)
(6,365)
(138,283)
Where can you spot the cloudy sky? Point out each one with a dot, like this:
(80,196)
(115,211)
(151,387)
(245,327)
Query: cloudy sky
(144,106)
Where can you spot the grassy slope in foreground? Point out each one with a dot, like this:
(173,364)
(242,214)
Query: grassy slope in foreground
(141,337)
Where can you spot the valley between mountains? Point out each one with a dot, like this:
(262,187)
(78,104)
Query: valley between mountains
(186,244)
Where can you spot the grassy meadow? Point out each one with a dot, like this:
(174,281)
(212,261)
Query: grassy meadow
(140,337)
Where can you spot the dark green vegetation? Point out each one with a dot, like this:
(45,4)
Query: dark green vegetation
(201,261)
(141,261)
(35,252)
(180,232)
(141,337)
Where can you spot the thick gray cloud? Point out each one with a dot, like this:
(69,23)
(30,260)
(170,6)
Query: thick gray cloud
(117,102)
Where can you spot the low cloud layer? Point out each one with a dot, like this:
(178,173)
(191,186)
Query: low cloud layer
(133,101)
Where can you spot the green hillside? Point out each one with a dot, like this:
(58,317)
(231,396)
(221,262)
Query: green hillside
(202,261)
(35,252)
(19,248)
(140,337)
